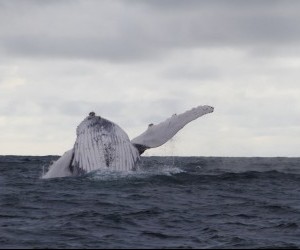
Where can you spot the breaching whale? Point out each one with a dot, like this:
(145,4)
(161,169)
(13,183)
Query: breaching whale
(102,144)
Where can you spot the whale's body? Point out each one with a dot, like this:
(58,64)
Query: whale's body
(102,144)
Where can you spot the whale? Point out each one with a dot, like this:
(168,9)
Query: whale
(102,144)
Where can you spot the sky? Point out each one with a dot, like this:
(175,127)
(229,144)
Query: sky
(137,62)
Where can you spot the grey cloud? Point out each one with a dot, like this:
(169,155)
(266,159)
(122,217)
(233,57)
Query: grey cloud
(126,111)
(188,73)
(114,50)
(136,30)
(120,110)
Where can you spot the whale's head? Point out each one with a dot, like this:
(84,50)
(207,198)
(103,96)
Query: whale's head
(101,143)
(96,123)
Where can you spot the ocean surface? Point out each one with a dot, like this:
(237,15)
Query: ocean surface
(171,202)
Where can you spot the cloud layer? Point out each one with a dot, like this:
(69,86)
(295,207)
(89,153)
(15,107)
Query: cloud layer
(136,30)
(137,62)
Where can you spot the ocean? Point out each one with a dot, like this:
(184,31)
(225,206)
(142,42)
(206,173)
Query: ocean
(170,202)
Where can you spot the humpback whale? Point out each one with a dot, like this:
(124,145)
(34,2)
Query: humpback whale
(102,144)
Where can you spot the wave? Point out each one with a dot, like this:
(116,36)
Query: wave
(164,174)
(178,168)
(142,173)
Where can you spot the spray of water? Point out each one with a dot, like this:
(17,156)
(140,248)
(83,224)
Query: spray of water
(141,173)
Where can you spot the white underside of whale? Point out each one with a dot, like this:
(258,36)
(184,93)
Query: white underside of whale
(157,135)
(101,144)
(60,168)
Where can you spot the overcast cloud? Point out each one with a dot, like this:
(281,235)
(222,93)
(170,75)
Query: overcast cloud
(137,62)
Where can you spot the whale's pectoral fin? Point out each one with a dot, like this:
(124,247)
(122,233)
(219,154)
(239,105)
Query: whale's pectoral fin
(157,135)
(61,167)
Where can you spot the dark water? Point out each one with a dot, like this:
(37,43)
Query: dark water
(171,203)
